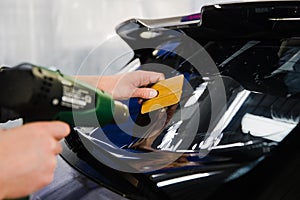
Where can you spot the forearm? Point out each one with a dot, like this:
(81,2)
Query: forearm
(127,85)
(105,83)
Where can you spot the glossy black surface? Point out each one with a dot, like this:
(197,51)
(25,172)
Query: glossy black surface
(247,63)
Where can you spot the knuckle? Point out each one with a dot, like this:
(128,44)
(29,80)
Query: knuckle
(49,145)
(58,148)
(47,179)
(162,75)
(47,175)
(52,164)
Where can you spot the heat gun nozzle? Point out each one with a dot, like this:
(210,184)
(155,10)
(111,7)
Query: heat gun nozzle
(121,112)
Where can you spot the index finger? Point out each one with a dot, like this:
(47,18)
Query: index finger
(59,129)
(147,77)
(56,129)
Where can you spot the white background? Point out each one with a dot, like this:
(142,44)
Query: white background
(61,33)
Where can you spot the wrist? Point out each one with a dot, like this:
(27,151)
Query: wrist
(101,82)
(107,84)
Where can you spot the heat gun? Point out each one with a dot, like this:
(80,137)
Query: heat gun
(36,93)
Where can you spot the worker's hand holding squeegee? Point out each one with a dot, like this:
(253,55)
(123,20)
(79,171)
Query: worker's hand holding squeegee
(37,93)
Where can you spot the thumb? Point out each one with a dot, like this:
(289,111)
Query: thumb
(56,129)
(145,93)
(59,129)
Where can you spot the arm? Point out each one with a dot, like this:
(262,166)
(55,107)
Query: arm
(124,86)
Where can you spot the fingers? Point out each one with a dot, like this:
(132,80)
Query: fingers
(56,147)
(59,129)
(52,132)
(56,129)
(149,77)
(145,93)
(146,78)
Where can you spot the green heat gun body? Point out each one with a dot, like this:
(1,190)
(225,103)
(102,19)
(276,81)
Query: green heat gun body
(38,94)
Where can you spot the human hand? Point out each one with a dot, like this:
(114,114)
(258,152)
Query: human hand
(28,157)
(127,85)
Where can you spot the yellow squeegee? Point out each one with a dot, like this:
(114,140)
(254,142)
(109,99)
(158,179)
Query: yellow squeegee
(169,93)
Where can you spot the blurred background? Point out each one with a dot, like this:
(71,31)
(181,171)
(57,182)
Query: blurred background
(62,33)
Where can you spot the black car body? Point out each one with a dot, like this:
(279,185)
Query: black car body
(244,113)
